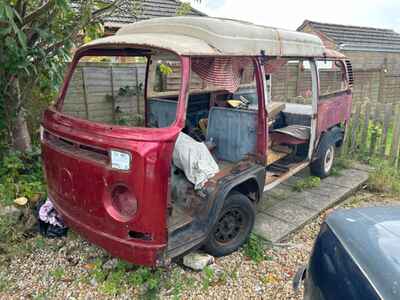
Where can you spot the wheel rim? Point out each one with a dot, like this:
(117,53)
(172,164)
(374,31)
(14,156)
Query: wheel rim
(328,161)
(229,226)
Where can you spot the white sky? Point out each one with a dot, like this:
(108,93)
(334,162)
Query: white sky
(291,14)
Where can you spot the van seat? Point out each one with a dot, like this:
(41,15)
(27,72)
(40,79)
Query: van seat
(297,131)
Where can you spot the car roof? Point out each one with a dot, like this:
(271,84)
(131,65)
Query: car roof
(206,36)
(372,238)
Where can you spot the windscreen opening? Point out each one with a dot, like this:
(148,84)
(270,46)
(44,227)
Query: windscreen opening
(111,90)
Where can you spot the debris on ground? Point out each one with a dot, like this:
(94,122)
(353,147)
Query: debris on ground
(197,261)
(21,201)
(51,224)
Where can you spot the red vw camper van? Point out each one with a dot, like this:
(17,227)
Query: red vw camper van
(165,135)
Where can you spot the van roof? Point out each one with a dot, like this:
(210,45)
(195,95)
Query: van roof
(206,36)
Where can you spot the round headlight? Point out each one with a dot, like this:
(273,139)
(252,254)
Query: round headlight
(123,202)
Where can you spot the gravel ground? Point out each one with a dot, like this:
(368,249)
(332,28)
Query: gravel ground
(71,268)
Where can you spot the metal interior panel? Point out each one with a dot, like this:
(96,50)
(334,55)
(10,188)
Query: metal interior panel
(234,131)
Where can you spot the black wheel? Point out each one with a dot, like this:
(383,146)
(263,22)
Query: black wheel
(233,226)
(322,166)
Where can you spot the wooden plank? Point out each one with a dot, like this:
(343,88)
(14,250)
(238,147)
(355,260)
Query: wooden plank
(354,126)
(112,94)
(396,136)
(364,133)
(387,117)
(374,132)
(85,94)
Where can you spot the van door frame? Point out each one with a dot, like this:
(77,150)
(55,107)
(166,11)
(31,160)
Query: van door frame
(315,84)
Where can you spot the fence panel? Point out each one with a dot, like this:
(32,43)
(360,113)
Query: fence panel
(374,132)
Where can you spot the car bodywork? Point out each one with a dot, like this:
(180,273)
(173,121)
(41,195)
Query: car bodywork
(355,256)
(76,152)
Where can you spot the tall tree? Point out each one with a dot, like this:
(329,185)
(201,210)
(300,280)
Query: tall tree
(36,38)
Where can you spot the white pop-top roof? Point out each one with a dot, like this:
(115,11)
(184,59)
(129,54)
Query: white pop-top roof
(212,36)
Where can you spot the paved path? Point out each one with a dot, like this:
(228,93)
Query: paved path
(282,211)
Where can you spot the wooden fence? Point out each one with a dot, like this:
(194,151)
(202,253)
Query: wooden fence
(374,132)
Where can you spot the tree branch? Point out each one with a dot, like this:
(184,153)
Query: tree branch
(112,6)
(38,12)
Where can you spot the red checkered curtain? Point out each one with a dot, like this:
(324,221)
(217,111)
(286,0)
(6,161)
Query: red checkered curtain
(274,65)
(225,72)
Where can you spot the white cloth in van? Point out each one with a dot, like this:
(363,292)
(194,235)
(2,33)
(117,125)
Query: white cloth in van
(195,160)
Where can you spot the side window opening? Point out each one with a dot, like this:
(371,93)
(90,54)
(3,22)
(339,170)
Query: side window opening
(110,90)
(332,79)
(290,81)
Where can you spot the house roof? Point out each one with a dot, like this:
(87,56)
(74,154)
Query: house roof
(215,37)
(358,38)
(130,11)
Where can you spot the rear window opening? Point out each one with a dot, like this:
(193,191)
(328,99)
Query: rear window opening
(111,89)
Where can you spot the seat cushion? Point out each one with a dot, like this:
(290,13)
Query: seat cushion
(297,131)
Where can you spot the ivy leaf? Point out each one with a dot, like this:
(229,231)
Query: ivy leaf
(21,38)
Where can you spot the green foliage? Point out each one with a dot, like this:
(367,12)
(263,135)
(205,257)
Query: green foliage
(37,39)
(254,249)
(165,69)
(58,273)
(307,183)
(21,175)
(384,178)
(184,9)
(208,277)
(340,164)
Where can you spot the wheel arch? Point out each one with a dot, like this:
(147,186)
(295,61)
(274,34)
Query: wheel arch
(334,135)
(252,182)
(249,188)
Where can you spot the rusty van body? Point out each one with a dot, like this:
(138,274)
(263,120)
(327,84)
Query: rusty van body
(114,182)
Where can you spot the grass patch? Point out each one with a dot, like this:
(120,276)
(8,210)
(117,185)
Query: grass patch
(254,249)
(114,282)
(58,273)
(384,178)
(306,183)
(340,164)
(208,277)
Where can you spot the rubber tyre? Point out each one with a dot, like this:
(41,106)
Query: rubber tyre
(237,203)
(321,167)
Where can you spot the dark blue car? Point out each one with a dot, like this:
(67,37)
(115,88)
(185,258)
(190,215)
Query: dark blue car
(356,256)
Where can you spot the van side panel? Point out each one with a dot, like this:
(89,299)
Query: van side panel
(333,109)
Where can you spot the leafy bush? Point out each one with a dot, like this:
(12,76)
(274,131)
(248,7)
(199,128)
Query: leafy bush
(254,249)
(21,175)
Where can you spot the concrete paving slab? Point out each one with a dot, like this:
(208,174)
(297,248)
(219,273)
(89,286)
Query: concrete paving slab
(271,228)
(282,210)
(348,179)
(291,212)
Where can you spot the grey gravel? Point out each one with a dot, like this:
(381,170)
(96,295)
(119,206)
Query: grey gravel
(65,269)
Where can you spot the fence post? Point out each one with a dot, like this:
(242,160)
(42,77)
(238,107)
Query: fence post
(364,134)
(354,128)
(85,93)
(395,136)
(374,133)
(387,116)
